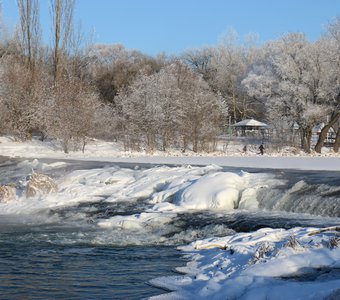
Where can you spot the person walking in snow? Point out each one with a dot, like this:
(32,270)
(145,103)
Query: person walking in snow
(261,149)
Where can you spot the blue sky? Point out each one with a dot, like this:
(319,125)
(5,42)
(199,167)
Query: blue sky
(173,26)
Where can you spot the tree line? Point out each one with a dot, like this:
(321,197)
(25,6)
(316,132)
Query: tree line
(72,89)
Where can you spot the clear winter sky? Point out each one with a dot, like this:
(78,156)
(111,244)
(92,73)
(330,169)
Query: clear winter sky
(173,26)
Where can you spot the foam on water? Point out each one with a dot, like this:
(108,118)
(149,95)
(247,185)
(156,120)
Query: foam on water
(321,199)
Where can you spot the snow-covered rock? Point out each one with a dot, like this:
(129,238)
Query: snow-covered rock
(40,184)
(7,193)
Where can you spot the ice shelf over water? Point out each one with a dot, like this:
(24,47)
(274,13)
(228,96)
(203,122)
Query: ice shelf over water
(300,263)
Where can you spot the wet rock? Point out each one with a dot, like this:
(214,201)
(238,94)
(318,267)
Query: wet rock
(7,193)
(40,184)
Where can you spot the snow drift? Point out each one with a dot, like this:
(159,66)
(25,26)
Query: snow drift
(266,264)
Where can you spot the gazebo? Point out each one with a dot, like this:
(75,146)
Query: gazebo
(250,127)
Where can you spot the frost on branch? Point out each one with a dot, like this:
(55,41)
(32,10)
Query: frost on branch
(174,107)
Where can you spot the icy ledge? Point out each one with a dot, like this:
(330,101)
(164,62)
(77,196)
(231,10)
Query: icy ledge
(300,263)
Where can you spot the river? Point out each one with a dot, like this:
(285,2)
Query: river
(72,247)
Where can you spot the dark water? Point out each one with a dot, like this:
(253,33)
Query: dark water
(73,259)
(33,266)
(45,271)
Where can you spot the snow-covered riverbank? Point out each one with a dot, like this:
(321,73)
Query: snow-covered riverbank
(301,263)
(232,157)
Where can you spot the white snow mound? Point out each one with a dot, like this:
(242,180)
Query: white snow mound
(218,191)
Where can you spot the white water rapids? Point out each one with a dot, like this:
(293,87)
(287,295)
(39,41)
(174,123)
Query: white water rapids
(165,205)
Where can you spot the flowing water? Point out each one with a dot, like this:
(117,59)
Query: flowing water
(76,249)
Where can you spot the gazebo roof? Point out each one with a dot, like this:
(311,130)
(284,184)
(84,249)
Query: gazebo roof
(250,122)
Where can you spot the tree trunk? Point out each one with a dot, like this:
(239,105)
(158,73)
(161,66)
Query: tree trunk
(185,144)
(306,136)
(65,144)
(62,15)
(324,131)
(234,107)
(84,144)
(29,135)
(195,141)
(57,40)
(151,142)
(194,145)
(337,141)
(30,28)
(164,142)
(42,136)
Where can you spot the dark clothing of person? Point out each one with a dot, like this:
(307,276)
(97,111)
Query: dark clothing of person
(261,149)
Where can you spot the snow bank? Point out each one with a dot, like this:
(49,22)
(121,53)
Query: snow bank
(218,191)
(109,151)
(300,263)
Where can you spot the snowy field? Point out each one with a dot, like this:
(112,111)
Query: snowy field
(156,206)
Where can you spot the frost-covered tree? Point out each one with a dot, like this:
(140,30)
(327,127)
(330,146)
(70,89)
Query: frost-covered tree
(30,32)
(23,97)
(223,67)
(172,106)
(71,114)
(330,51)
(62,27)
(289,79)
(200,60)
(149,109)
(229,63)
(203,112)
(113,68)
(23,78)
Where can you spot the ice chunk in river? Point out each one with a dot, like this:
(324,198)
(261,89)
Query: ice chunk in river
(217,191)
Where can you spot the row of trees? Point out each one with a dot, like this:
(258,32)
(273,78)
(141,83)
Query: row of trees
(72,90)
(68,92)
(299,83)
(289,82)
